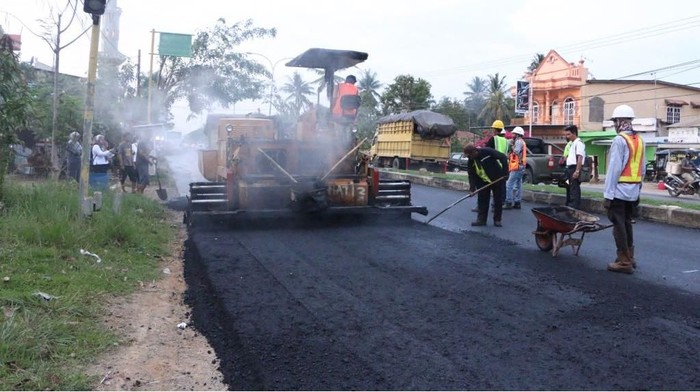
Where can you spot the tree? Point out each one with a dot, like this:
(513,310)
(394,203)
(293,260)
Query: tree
(537,59)
(368,112)
(369,84)
(298,91)
(453,109)
(216,73)
(476,94)
(15,103)
(406,94)
(497,105)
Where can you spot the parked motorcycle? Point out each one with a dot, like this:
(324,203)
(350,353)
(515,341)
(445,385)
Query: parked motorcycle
(674,184)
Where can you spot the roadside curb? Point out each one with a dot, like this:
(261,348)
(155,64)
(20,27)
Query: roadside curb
(670,215)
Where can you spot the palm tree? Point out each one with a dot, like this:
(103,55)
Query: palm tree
(369,83)
(537,59)
(298,91)
(496,107)
(476,94)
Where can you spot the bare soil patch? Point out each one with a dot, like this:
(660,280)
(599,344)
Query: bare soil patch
(154,353)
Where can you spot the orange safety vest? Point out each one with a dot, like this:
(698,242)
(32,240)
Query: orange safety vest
(344,89)
(632,173)
(514,161)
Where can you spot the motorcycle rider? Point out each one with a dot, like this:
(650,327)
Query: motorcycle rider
(687,171)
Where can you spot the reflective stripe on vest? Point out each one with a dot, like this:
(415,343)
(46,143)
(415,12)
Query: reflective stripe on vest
(480,172)
(632,172)
(500,143)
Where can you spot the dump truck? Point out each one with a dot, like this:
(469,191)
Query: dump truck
(256,168)
(413,141)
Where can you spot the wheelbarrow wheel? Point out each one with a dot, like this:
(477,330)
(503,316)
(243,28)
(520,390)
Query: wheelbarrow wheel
(544,241)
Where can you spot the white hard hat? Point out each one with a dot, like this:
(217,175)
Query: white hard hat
(503,132)
(622,111)
(519,131)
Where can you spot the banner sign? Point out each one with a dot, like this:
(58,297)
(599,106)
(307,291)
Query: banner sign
(173,44)
(522,97)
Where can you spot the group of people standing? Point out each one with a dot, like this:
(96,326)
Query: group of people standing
(497,169)
(489,166)
(131,159)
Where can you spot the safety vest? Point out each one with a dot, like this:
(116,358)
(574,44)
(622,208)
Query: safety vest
(481,172)
(633,170)
(500,144)
(344,89)
(514,161)
(566,149)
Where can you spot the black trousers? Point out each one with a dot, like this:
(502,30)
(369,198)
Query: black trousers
(484,198)
(573,191)
(621,213)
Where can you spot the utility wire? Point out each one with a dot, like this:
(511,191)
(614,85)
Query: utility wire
(646,32)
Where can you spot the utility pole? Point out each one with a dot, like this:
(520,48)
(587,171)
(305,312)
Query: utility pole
(96,8)
(54,111)
(138,75)
(150,74)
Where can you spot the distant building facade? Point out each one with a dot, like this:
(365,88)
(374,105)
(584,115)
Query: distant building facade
(563,95)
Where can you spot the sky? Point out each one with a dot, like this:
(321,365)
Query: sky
(445,42)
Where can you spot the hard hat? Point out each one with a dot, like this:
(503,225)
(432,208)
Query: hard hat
(519,131)
(503,132)
(498,124)
(622,111)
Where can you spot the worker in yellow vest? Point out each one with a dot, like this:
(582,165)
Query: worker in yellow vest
(623,185)
(486,166)
(498,141)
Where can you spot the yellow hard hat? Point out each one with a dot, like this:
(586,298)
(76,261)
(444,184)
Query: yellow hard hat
(498,124)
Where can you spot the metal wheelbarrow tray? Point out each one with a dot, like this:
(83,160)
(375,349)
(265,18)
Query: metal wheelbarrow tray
(557,225)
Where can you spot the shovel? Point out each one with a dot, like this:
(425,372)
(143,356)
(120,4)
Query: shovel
(162,193)
(464,198)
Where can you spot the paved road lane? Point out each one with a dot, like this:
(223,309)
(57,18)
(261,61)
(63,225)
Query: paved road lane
(665,254)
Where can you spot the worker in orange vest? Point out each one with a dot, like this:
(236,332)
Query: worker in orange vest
(623,186)
(346,99)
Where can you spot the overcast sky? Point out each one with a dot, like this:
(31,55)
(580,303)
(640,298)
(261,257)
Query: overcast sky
(446,42)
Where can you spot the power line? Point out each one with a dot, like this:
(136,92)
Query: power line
(646,32)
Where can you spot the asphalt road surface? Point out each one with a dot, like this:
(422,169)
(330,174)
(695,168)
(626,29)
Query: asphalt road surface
(401,305)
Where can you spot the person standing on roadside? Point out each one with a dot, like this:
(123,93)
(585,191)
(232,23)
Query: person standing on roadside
(574,163)
(100,163)
(517,159)
(498,141)
(143,160)
(127,167)
(623,185)
(74,149)
(486,166)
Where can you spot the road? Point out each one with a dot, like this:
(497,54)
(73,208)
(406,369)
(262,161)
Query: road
(401,305)
(665,254)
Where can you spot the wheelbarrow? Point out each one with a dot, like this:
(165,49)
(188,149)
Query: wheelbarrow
(556,227)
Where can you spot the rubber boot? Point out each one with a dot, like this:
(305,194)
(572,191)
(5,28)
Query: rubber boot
(630,254)
(622,264)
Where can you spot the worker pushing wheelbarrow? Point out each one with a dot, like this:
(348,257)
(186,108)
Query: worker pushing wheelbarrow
(556,227)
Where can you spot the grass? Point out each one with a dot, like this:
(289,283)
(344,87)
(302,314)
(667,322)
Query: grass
(557,190)
(46,344)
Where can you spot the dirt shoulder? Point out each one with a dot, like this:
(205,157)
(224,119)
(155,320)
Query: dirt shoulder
(154,354)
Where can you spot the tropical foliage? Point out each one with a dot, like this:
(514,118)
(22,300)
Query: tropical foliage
(15,103)
(406,94)
(216,74)
(498,105)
